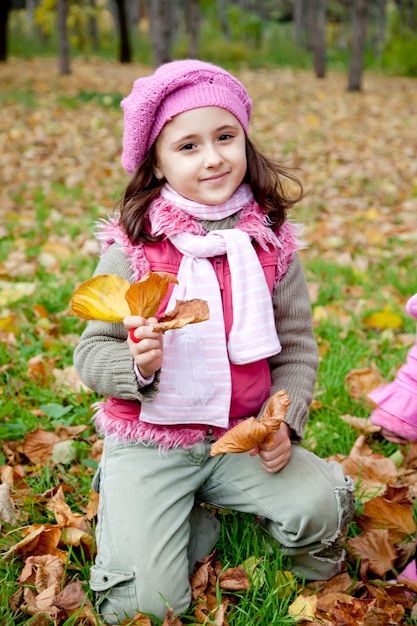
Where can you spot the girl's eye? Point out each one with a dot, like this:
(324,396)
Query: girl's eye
(187,146)
(225,137)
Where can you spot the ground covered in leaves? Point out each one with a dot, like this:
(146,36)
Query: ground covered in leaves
(60,143)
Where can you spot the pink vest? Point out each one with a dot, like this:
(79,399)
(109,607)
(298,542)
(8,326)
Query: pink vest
(251,383)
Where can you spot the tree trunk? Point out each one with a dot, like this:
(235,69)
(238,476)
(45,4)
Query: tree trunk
(317,31)
(63,46)
(193,27)
(5,7)
(125,50)
(381,25)
(92,25)
(359,15)
(161,32)
(300,10)
(224,23)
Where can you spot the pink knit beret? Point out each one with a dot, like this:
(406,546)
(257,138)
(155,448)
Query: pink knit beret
(174,88)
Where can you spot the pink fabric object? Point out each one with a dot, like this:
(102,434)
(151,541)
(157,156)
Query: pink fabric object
(241,197)
(411,306)
(409,573)
(195,384)
(397,401)
(120,418)
(174,88)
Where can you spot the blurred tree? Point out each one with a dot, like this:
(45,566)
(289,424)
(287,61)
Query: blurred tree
(63,45)
(160,29)
(92,27)
(125,49)
(193,20)
(5,8)
(359,15)
(224,22)
(317,29)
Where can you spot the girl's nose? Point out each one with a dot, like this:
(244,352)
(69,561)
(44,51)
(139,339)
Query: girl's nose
(212,156)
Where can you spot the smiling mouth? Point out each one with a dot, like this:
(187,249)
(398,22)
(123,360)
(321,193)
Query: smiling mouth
(214,178)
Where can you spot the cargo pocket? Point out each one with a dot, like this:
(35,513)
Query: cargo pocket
(115,594)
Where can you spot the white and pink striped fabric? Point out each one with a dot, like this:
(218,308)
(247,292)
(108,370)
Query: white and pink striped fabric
(195,384)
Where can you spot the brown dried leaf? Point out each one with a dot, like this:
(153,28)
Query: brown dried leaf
(41,603)
(38,445)
(199,580)
(374,548)
(234,579)
(171,619)
(185,312)
(361,424)
(42,571)
(241,438)
(361,381)
(101,298)
(63,513)
(276,409)
(71,597)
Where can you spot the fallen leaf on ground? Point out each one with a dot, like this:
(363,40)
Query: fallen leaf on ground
(303,608)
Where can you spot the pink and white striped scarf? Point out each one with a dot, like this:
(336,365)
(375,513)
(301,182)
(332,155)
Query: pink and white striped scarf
(195,383)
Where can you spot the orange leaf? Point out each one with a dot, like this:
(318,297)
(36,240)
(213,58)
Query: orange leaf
(38,539)
(382,513)
(145,296)
(185,312)
(252,432)
(101,298)
(241,438)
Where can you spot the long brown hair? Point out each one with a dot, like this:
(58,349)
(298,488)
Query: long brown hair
(266,178)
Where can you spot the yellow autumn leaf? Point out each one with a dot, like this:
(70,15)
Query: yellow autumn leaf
(286,584)
(12,292)
(383,320)
(303,608)
(101,298)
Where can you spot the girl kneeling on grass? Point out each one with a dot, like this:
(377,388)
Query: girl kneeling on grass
(205,205)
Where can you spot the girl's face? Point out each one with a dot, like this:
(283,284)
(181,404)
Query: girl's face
(202,154)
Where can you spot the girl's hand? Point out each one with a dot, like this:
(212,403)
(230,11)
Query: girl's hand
(275,456)
(147,353)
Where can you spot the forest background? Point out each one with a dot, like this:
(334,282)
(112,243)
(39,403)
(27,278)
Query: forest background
(356,149)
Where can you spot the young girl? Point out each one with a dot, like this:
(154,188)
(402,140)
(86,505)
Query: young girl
(396,412)
(205,205)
